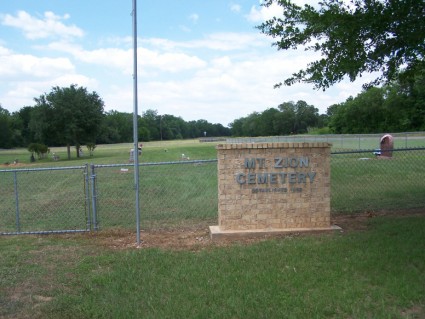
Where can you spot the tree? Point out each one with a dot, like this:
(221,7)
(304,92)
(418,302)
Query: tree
(74,116)
(40,149)
(297,117)
(355,37)
(397,107)
(267,125)
(413,88)
(20,123)
(153,123)
(41,125)
(5,129)
(117,128)
(91,147)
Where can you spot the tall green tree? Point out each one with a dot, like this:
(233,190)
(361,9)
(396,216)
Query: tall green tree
(297,117)
(413,88)
(74,116)
(21,126)
(117,127)
(289,118)
(153,123)
(6,134)
(268,124)
(353,37)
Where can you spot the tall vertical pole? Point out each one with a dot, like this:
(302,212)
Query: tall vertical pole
(135,124)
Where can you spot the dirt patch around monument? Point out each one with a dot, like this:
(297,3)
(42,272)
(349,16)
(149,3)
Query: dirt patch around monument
(198,238)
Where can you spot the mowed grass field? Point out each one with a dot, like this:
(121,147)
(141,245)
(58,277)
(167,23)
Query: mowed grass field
(375,272)
(378,272)
(164,151)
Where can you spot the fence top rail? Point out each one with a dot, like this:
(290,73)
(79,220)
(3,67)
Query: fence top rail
(156,163)
(377,150)
(44,232)
(336,136)
(42,169)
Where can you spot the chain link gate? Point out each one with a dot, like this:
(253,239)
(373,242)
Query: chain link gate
(172,194)
(44,200)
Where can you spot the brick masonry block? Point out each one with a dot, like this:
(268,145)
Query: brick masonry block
(273,185)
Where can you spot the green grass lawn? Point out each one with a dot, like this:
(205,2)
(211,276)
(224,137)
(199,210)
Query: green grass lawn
(374,273)
(164,151)
(360,184)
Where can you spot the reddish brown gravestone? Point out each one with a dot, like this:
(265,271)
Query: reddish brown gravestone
(387,145)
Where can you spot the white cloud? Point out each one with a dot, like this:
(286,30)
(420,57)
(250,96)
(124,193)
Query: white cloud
(220,77)
(108,57)
(224,41)
(235,8)
(50,25)
(170,62)
(14,66)
(225,90)
(22,92)
(194,18)
(122,59)
(264,13)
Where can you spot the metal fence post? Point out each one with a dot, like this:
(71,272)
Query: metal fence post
(18,223)
(87,191)
(94,197)
(405,139)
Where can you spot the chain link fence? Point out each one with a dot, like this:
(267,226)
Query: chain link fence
(44,200)
(184,193)
(172,194)
(342,141)
(360,181)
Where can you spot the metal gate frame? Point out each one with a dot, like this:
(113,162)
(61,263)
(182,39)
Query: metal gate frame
(87,213)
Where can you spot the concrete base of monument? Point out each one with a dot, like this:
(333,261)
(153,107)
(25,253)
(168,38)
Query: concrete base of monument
(216,233)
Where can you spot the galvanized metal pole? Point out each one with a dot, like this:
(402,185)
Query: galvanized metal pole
(94,197)
(135,126)
(18,217)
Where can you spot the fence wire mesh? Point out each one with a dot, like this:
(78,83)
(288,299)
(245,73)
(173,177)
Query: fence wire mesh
(183,194)
(360,181)
(342,141)
(44,200)
(171,194)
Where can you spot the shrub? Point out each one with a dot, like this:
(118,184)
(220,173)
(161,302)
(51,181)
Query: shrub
(40,149)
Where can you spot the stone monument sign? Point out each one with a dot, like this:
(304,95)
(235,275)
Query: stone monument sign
(272,187)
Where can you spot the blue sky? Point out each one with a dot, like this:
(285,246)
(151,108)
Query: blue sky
(198,59)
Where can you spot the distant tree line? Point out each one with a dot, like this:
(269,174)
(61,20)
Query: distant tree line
(396,107)
(118,128)
(73,116)
(289,118)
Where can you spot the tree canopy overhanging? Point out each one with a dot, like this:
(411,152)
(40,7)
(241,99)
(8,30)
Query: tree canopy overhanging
(353,37)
